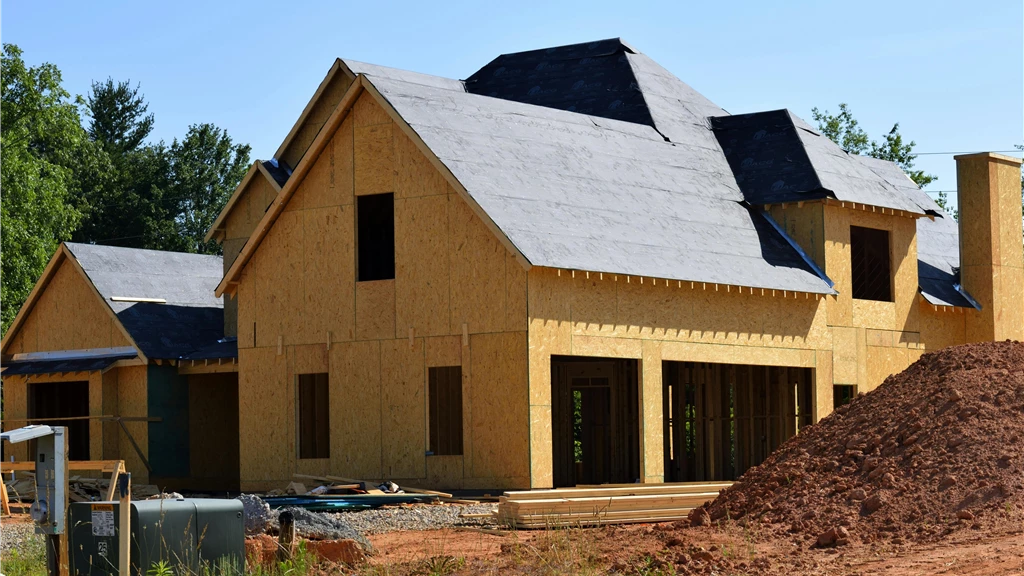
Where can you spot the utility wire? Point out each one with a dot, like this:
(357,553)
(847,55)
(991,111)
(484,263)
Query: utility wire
(976,152)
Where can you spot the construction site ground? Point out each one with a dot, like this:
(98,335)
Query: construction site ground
(924,475)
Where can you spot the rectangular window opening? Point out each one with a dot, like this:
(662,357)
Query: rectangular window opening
(314,416)
(375,237)
(445,397)
(870,264)
(842,394)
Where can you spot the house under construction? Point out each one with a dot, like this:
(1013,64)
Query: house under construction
(433,277)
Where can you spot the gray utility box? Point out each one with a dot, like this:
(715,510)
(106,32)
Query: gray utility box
(186,534)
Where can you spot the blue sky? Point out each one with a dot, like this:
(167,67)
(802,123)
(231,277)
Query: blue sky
(952,73)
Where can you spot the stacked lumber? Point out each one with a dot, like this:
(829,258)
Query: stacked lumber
(606,504)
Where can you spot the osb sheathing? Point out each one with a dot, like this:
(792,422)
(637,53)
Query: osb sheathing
(132,401)
(15,396)
(68,315)
(456,289)
(992,255)
(805,224)
(605,315)
(316,118)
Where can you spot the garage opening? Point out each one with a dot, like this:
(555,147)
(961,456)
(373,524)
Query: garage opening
(54,401)
(595,420)
(721,419)
(213,432)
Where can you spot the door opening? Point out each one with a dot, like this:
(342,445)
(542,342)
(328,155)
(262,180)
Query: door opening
(53,401)
(721,419)
(596,420)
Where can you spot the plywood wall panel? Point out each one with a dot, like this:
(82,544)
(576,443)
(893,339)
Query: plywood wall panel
(403,409)
(516,316)
(366,112)
(69,315)
(415,175)
(375,310)
(823,381)
(321,111)
(652,463)
(421,266)
(328,273)
(374,165)
(355,396)
(266,400)
(444,351)
(477,272)
(133,401)
(96,409)
(245,302)
(15,390)
(499,396)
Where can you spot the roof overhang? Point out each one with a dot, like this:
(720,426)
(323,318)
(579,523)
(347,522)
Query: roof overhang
(229,283)
(217,230)
(62,254)
(67,361)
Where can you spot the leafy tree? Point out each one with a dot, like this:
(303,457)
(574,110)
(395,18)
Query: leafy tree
(41,138)
(843,129)
(151,195)
(205,168)
(118,116)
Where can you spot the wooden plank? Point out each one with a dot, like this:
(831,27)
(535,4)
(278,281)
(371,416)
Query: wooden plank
(5,505)
(93,465)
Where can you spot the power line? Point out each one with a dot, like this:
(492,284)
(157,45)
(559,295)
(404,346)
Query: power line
(976,152)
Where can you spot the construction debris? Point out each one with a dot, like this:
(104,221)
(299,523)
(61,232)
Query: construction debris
(595,506)
(23,489)
(256,512)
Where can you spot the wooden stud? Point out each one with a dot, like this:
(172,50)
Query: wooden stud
(465,334)
(280,345)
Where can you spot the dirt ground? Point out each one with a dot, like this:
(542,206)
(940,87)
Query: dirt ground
(657,549)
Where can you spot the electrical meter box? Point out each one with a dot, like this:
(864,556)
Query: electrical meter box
(186,534)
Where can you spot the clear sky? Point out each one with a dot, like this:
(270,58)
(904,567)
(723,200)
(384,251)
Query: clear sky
(951,73)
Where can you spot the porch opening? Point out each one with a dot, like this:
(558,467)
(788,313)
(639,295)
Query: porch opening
(56,400)
(595,420)
(721,419)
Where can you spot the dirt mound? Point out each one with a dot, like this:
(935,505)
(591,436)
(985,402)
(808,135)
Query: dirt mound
(934,449)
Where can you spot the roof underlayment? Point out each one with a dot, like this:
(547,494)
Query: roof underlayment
(190,317)
(594,157)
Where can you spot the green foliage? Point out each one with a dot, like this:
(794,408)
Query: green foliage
(161,568)
(118,116)
(205,168)
(440,566)
(151,195)
(41,138)
(844,130)
(577,425)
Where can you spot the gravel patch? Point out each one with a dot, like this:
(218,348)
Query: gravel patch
(414,517)
(18,536)
(321,526)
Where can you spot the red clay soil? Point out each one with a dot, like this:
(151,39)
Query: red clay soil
(933,451)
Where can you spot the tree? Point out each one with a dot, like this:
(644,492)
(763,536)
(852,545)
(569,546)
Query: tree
(844,130)
(118,116)
(151,195)
(205,168)
(41,137)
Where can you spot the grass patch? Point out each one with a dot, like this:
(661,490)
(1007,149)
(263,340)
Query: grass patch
(28,560)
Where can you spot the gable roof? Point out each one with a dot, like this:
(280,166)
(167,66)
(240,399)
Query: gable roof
(269,170)
(190,316)
(163,302)
(594,157)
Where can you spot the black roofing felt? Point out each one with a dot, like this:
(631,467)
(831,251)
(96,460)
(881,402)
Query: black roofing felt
(65,365)
(278,170)
(767,157)
(191,318)
(594,78)
(223,348)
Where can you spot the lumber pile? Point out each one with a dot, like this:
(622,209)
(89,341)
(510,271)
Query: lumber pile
(607,504)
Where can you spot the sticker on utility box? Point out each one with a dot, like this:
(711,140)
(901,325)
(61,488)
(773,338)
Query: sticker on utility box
(102,519)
